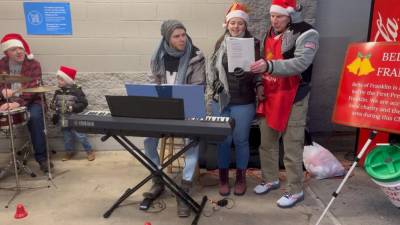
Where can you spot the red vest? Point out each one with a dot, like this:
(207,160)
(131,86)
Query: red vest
(279,91)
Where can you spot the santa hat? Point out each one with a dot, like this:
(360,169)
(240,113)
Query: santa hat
(283,7)
(67,74)
(237,10)
(15,40)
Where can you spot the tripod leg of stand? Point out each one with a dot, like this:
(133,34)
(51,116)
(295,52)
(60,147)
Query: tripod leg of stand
(198,214)
(14,158)
(17,192)
(24,153)
(26,169)
(127,193)
(14,154)
(336,193)
(46,140)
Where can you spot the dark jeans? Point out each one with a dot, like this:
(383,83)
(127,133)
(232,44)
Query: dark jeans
(36,130)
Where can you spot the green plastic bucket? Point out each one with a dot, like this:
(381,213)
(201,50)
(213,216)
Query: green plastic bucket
(383,166)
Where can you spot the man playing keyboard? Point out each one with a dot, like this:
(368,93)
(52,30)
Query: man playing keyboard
(175,61)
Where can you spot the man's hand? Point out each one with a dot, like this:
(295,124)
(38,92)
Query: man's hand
(259,66)
(260,93)
(7,93)
(9,106)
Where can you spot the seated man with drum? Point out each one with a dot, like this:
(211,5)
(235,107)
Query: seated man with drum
(18,60)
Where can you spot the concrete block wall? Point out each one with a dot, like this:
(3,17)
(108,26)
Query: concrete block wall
(116,36)
(113,40)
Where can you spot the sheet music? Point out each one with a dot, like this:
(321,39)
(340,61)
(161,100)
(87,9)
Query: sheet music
(240,53)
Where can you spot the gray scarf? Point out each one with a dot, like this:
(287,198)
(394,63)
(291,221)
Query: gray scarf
(217,67)
(157,60)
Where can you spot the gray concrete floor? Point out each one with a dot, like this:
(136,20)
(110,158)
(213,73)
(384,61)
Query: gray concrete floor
(83,191)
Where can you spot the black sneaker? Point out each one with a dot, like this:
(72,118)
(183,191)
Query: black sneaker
(44,167)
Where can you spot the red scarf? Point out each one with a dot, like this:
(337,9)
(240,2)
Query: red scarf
(279,91)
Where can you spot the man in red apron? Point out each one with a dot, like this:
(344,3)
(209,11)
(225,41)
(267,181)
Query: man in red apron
(289,49)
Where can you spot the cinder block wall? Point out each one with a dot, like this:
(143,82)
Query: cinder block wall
(113,40)
(116,35)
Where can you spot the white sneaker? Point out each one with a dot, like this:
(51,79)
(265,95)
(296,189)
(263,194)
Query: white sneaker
(264,188)
(289,200)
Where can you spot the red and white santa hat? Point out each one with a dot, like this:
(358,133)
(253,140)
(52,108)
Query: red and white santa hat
(283,7)
(15,40)
(67,74)
(237,10)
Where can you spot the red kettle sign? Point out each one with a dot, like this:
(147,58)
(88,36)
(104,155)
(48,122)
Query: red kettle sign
(369,89)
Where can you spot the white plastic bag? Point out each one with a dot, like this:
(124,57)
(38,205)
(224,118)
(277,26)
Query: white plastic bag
(321,163)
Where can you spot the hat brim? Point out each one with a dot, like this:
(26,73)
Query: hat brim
(239,14)
(65,77)
(280,10)
(12,43)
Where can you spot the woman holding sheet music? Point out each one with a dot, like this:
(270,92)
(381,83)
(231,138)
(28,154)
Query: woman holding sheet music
(233,95)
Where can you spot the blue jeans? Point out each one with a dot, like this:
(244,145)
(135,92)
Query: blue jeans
(243,116)
(191,156)
(36,130)
(69,140)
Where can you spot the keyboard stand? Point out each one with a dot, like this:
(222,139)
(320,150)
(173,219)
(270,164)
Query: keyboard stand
(155,171)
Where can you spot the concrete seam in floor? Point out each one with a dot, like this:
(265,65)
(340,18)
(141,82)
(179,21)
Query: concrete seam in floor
(322,206)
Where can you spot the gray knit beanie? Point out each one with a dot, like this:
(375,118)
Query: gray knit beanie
(169,26)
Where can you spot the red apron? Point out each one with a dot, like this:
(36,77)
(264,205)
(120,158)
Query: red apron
(279,91)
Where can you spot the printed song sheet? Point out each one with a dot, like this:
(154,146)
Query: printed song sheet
(240,53)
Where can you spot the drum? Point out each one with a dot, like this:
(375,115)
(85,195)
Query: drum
(19,117)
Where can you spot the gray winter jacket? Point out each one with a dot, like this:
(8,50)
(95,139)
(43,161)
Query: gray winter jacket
(300,43)
(304,40)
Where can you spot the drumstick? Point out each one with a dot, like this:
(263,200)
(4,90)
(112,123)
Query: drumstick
(17,91)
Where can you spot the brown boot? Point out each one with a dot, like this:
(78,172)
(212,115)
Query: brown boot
(68,156)
(182,209)
(224,188)
(240,184)
(91,156)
